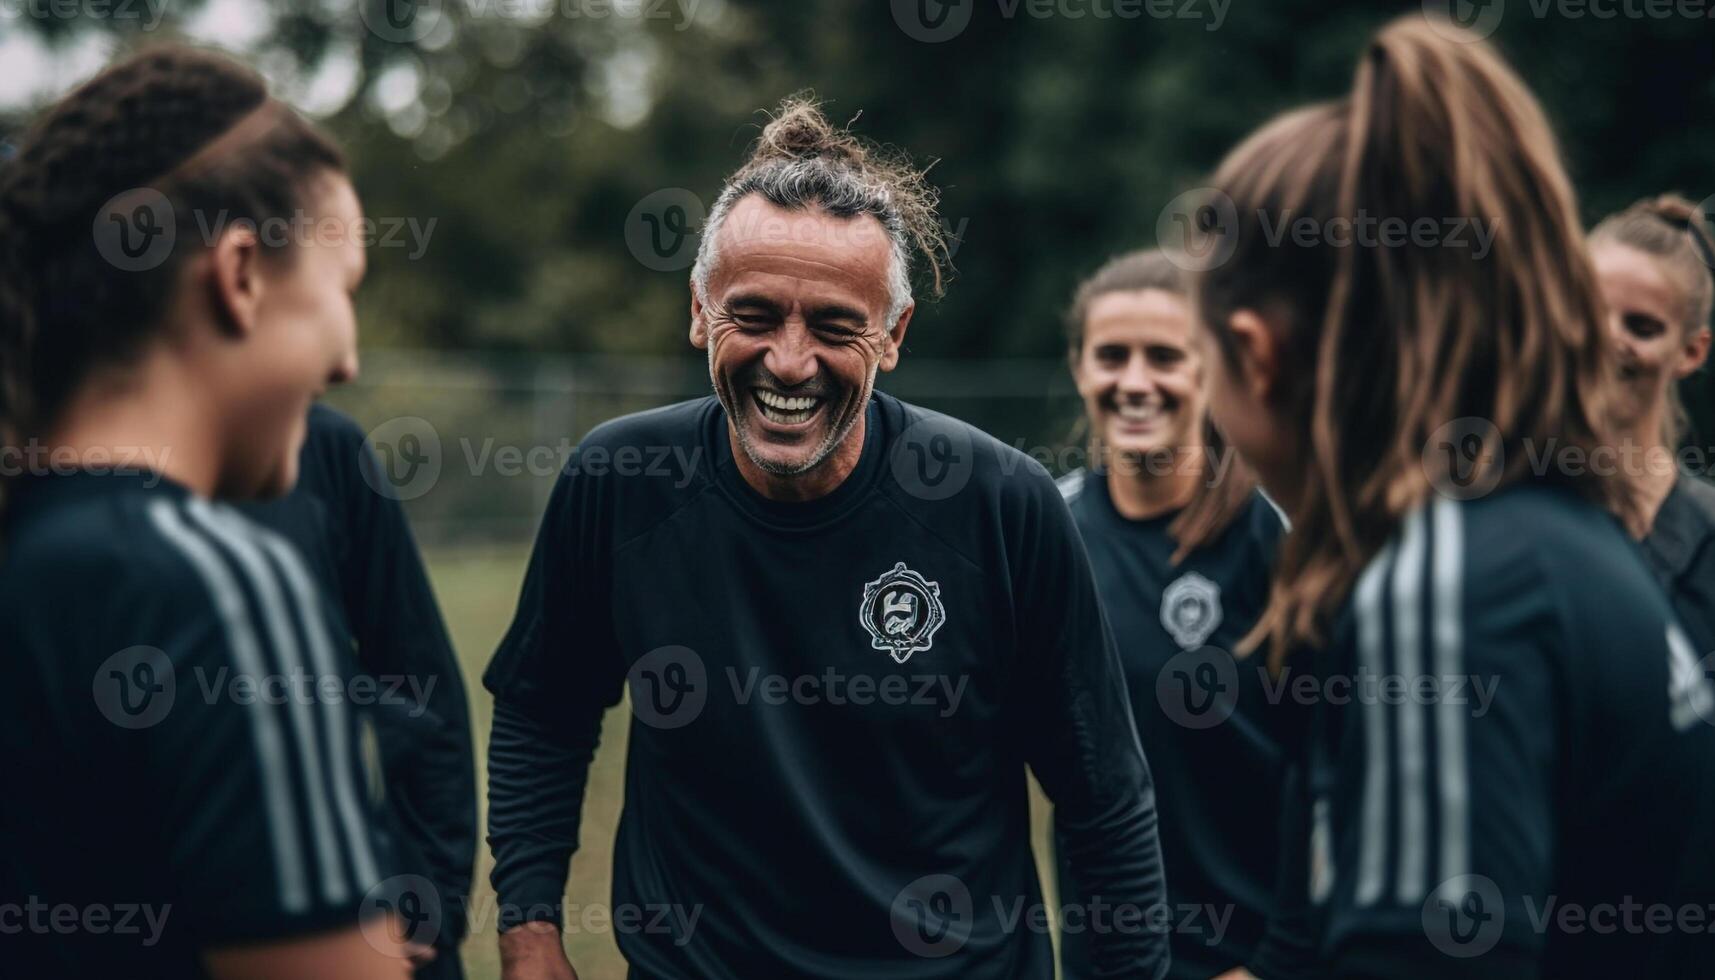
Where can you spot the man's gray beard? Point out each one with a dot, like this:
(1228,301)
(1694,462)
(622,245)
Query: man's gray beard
(741,424)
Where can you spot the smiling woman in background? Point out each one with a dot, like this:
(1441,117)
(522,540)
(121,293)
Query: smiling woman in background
(1653,260)
(1180,541)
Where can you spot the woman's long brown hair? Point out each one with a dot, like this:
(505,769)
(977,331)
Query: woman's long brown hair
(1396,342)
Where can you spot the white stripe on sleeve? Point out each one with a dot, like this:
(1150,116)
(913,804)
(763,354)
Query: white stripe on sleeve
(264,720)
(283,639)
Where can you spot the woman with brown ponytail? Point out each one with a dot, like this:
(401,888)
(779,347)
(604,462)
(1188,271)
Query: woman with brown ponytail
(1507,742)
(171,809)
(1653,261)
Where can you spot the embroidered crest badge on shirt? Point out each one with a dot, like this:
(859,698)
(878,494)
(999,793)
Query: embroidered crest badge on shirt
(1191,609)
(901,610)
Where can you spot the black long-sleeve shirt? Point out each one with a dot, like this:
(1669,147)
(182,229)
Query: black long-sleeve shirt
(834,705)
(1203,713)
(176,778)
(1511,755)
(1680,550)
(358,545)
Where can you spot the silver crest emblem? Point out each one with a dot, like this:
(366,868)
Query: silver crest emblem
(1191,609)
(901,611)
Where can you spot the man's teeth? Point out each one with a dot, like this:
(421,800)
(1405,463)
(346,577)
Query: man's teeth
(782,403)
(1138,413)
(783,410)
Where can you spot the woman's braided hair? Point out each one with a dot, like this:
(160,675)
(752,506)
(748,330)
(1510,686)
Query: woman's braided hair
(184,126)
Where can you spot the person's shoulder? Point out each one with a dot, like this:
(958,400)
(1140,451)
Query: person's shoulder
(1071,486)
(337,463)
(1522,552)
(1534,549)
(930,443)
(330,426)
(100,539)
(676,425)
(1262,518)
(631,472)
(1700,493)
(1556,523)
(129,555)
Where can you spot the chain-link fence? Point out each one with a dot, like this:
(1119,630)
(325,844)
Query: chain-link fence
(472,442)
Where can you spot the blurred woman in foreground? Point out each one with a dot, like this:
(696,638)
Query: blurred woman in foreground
(1506,720)
(160,344)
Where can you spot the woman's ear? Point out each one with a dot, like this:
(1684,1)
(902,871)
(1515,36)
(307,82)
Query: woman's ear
(1693,353)
(1258,353)
(234,280)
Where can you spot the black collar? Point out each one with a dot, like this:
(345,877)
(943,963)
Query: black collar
(1683,527)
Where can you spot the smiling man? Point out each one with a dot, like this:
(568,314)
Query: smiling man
(848,626)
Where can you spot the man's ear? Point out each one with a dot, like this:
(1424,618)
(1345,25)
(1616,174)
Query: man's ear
(234,280)
(896,339)
(1693,353)
(699,327)
(1258,353)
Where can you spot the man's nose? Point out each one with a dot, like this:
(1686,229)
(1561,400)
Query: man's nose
(792,354)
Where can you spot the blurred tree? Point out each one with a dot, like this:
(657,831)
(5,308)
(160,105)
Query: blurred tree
(528,131)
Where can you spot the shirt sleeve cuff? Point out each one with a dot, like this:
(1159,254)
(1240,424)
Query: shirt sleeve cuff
(532,897)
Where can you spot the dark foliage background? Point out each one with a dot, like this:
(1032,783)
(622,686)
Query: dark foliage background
(530,130)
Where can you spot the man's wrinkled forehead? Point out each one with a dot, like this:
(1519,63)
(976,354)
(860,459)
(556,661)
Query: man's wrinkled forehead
(760,239)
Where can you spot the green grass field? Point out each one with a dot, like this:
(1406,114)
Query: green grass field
(477,592)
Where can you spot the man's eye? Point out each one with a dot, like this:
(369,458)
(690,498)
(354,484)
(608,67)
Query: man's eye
(751,320)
